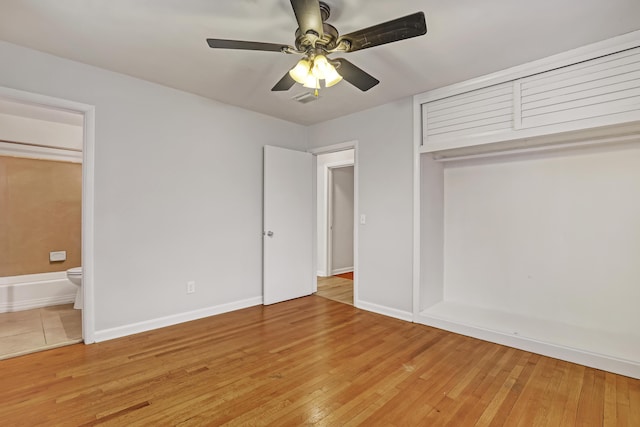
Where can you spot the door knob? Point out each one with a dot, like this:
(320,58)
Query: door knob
(269,233)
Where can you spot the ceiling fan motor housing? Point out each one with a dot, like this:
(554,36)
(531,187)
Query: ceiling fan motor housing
(325,11)
(328,40)
(310,40)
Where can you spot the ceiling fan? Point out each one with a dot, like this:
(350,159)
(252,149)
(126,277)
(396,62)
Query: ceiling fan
(315,39)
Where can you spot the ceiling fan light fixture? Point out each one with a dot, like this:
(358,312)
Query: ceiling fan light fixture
(301,71)
(308,72)
(323,70)
(311,82)
(320,67)
(332,77)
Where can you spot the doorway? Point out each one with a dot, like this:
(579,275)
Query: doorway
(336,224)
(340,220)
(56,110)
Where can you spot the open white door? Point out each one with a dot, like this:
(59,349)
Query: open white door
(288,224)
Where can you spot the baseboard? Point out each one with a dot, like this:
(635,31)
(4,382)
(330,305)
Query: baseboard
(162,322)
(387,311)
(31,291)
(582,357)
(36,303)
(341,270)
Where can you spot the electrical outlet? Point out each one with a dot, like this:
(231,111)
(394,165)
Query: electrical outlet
(191,287)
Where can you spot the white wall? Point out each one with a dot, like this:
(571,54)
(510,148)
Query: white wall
(342,220)
(323,160)
(385,186)
(554,236)
(178,188)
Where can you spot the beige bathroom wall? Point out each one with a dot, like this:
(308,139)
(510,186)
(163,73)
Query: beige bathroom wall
(40,211)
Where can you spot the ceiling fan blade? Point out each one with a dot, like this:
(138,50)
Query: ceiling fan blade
(285,83)
(387,32)
(308,16)
(245,45)
(354,75)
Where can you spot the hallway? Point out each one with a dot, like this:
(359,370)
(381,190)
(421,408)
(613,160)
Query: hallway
(337,288)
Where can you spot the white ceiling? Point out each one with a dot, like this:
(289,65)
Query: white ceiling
(164,41)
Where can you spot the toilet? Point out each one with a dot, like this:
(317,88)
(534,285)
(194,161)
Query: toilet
(75,276)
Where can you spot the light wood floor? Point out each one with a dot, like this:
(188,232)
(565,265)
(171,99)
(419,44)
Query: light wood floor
(308,361)
(336,288)
(23,332)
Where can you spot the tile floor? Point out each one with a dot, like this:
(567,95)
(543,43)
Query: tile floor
(27,331)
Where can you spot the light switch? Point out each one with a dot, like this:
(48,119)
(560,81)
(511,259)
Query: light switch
(363,219)
(58,256)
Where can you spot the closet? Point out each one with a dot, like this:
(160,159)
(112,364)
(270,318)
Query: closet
(527,210)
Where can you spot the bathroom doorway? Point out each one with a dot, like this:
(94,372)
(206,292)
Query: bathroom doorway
(42,222)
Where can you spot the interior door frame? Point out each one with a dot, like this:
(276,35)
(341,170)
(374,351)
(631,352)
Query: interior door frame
(88,166)
(349,145)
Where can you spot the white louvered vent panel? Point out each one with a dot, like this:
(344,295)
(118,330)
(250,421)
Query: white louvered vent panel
(479,112)
(599,87)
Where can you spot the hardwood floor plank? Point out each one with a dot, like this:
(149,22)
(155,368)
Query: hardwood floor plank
(591,400)
(574,386)
(622,402)
(610,404)
(501,398)
(532,410)
(336,288)
(461,404)
(634,399)
(310,361)
(491,381)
